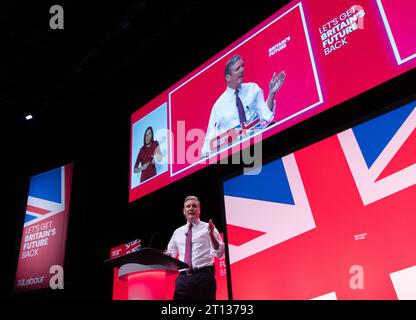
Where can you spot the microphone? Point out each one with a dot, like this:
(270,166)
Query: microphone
(152,237)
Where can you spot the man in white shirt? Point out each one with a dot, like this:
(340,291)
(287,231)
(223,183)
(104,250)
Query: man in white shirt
(196,243)
(225,113)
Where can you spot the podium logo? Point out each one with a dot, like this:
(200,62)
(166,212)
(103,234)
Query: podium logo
(115,253)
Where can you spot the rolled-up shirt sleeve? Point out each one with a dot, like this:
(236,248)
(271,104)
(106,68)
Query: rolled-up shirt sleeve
(172,249)
(221,248)
(262,108)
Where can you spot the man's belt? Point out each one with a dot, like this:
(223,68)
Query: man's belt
(191,271)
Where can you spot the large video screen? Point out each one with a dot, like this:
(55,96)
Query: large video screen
(335,220)
(301,61)
(42,249)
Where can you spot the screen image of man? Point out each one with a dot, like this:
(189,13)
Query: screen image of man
(196,243)
(240,102)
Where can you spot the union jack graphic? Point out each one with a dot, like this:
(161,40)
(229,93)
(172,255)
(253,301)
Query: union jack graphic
(133,246)
(46,196)
(296,227)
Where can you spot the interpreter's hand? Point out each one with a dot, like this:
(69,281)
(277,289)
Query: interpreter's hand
(276,82)
(211,226)
(157,157)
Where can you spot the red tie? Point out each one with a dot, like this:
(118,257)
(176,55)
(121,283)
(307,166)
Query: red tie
(240,108)
(188,247)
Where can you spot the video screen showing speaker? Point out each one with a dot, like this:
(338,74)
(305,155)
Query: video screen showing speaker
(304,59)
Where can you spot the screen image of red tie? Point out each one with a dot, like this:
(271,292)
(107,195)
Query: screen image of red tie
(240,108)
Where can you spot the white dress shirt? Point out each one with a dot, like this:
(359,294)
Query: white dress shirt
(203,252)
(224,114)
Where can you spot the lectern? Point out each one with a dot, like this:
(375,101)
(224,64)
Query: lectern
(146,274)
